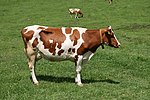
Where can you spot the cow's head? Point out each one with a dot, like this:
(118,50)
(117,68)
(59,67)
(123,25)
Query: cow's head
(109,38)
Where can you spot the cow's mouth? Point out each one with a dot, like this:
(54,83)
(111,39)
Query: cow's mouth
(115,46)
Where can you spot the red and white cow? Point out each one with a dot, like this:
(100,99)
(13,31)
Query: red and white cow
(56,44)
(76,12)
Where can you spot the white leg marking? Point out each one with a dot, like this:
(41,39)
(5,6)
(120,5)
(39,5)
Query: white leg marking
(117,39)
(78,69)
(34,77)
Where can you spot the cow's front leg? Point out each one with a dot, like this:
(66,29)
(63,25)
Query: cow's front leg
(78,70)
(76,15)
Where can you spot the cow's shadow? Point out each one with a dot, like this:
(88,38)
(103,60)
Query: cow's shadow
(50,78)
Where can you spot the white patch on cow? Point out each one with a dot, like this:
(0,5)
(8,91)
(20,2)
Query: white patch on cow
(42,49)
(117,40)
(109,27)
(114,35)
(72,10)
(67,44)
(32,28)
(50,41)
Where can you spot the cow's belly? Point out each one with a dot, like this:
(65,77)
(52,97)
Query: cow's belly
(58,58)
(46,54)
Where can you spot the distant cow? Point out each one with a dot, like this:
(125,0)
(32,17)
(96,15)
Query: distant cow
(57,44)
(76,12)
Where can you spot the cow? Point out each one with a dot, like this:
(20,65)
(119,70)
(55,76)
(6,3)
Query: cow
(65,43)
(76,12)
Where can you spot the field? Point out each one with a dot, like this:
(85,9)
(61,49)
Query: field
(112,74)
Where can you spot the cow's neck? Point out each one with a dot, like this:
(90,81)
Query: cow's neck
(101,33)
(92,40)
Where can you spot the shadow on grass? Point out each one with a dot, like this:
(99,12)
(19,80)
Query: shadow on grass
(71,80)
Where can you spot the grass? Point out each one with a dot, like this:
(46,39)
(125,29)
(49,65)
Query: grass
(112,74)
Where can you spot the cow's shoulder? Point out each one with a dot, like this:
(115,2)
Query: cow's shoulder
(90,34)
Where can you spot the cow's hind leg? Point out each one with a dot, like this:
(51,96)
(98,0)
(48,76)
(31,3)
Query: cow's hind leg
(78,70)
(31,55)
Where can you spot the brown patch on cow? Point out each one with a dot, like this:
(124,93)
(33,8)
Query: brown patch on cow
(91,41)
(59,46)
(75,36)
(68,30)
(35,42)
(60,52)
(23,31)
(40,27)
(82,49)
(52,48)
(54,34)
(28,35)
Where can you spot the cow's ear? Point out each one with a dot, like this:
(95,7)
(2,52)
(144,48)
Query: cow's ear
(109,28)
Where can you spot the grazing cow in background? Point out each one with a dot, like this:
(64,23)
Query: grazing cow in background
(76,12)
(57,44)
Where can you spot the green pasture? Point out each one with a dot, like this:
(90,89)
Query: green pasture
(112,74)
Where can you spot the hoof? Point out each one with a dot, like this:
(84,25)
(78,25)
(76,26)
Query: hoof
(36,83)
(76,80)
(80,84)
